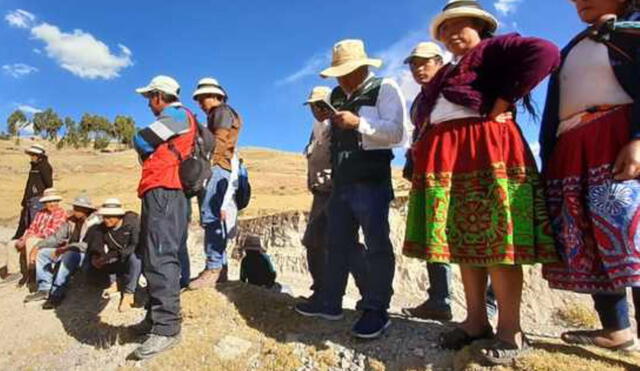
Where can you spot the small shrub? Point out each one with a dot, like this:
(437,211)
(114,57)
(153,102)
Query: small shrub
(578,315)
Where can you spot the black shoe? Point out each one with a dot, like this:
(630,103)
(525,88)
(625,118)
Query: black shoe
(371,324)
(52,302)
(36,296)
(141,329)
(154,345)
(314,309)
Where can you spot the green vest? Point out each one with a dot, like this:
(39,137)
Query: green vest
(351,163)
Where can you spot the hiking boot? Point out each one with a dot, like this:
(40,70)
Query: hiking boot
(126,302)
(207,279)
(36,296)
(315,309)
(371,324)
(141,328)
(154,345)
(52,302)
(424,311)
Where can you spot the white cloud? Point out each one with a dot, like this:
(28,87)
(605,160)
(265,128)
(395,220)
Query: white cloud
(312,67)
(82,54)
(37,51)
(28,109)
(507,7)
(20,18)
(18,70)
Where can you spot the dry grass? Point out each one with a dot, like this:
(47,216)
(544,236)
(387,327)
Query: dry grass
(578,315)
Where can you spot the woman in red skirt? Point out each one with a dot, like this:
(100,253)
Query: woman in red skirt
(476,197)
(591,161)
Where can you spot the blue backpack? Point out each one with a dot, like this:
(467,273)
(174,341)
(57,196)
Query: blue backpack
(243,193)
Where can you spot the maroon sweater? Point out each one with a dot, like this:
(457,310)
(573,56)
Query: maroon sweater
(507,66)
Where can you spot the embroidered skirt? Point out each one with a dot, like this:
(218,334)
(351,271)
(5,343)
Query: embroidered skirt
(595,218)
(477,198)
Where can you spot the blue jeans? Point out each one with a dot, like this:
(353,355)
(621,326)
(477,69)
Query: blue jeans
(125,273)
(215,233)
(352,206)
(613,309)
(439,290)
(183,253)
(53,273)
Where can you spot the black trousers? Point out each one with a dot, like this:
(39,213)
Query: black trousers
(163,229)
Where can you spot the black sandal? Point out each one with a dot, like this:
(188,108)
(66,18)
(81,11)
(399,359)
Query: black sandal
(501,353)
(459,338)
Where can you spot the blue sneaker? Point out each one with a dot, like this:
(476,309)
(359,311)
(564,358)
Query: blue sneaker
(315,309)
(371,324)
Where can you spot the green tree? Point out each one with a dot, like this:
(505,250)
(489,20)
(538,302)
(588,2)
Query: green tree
(15,121)
(47,123)
(124,130)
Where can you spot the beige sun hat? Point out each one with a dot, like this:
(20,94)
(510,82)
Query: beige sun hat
(319,93)
(111,207)
(425,50)
(161,83)
(35,149)
(208,85)
(50,195)
(347,56)
(462,9)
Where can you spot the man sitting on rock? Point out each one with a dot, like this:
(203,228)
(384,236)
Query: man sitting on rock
(21,255)
(61,254)
(112,249)
(256,267)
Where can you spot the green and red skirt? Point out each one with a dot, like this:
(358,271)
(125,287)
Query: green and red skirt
(477,197)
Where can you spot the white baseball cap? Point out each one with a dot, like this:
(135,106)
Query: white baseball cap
(161,83)
(208,85)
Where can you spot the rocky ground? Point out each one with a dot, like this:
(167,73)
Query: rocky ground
(239,327)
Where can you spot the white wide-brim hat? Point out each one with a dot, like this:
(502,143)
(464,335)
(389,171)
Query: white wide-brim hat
(84,202)
(347,56)
(111,207)
(35,149)
(425,50)
(462,9)
(208,85)
(161,83)
(319,93)
(50,195)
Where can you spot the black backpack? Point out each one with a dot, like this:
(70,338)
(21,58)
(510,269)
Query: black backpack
(195,169)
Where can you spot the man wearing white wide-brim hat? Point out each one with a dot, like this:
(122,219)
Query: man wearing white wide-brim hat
(164,216)
(370,121)
(225,124)
(40,178)
(61,254)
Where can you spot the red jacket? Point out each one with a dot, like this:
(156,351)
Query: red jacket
(160,169)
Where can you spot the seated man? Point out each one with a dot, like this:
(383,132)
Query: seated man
(256,267)
(61,254)
(21,255)
(111,249)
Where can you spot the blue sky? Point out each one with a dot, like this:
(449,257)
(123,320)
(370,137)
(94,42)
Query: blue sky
(79,56)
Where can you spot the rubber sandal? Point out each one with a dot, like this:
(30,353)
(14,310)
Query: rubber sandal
(587,338)
(501,353)
(459,338)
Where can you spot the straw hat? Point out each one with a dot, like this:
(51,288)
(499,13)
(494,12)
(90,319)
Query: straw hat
(161,83)
(84,202)
(50,195)
(208,85)
(319,93)
(462,9)
(424,50)
(111,207)
(348,55)
(35,149)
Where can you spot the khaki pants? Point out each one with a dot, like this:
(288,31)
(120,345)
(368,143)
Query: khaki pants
(16,261)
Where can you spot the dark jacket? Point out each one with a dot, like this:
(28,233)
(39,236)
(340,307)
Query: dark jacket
(623,42)
(40,178)
(507,66)
(256,268)
(116,244)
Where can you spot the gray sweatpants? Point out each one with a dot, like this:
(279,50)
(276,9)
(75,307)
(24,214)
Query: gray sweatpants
(163,228)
